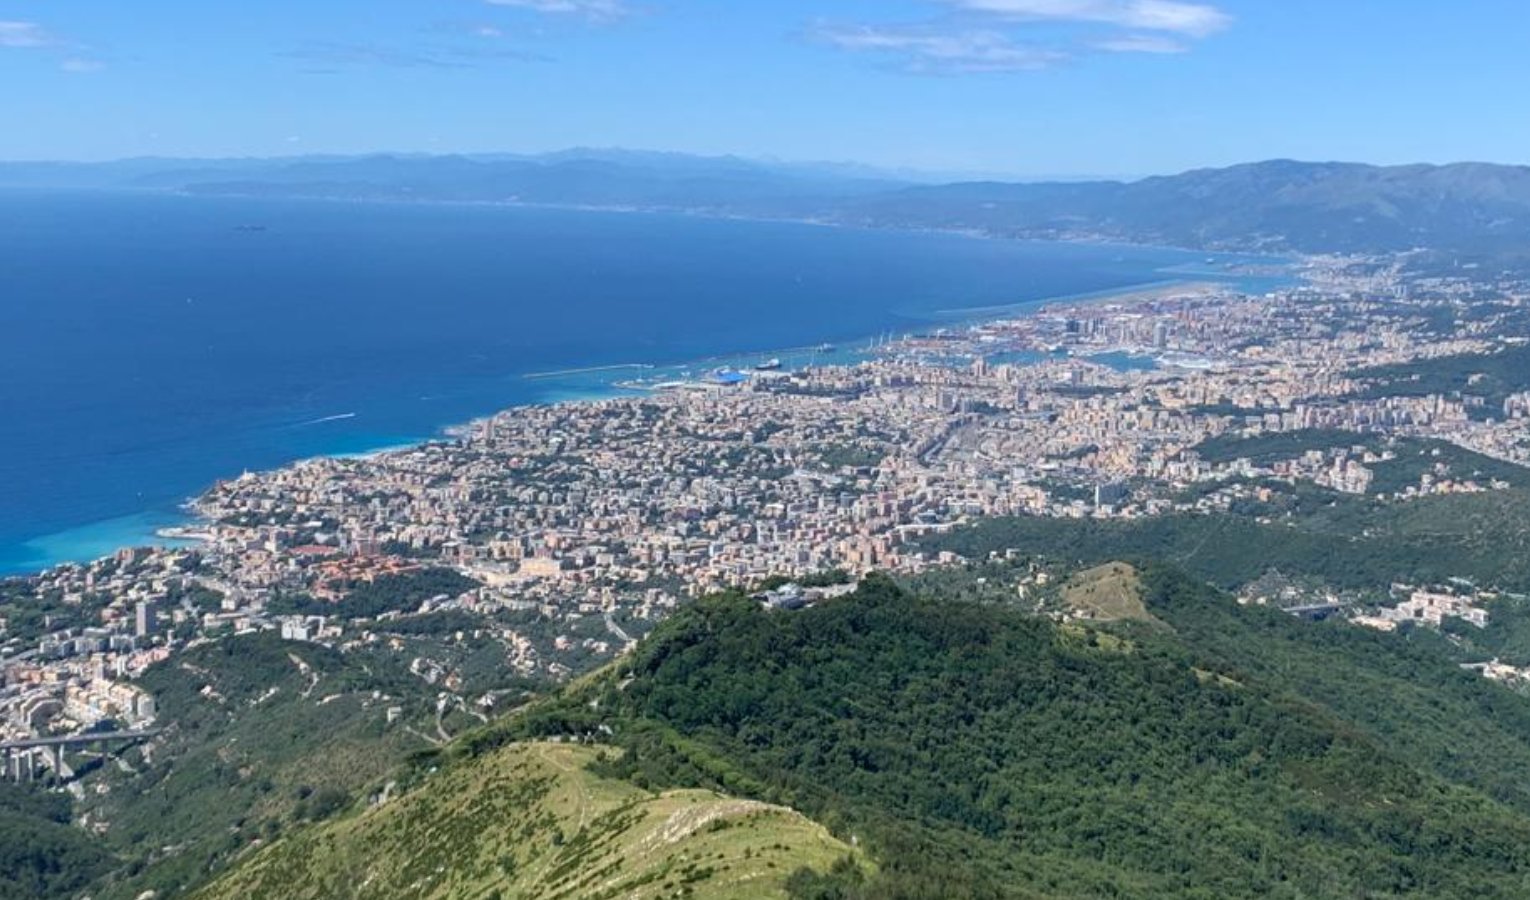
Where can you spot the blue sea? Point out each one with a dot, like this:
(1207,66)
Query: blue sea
(151,344)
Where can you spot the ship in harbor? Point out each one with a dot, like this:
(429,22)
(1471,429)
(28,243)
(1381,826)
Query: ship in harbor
(727,377)
(769,365)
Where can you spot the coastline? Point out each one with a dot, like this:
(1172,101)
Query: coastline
(1085,239)
(161,528)
(1143,293)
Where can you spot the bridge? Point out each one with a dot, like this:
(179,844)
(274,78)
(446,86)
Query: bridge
(1315,611)
(23,760)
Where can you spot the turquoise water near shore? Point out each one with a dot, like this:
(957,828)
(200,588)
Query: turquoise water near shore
(150,344)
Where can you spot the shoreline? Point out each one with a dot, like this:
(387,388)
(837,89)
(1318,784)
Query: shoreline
(168,529)
(1087,240)
(684,212)
(1143,293)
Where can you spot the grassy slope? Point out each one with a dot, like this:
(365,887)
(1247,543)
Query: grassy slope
(1107,593)
(530,821)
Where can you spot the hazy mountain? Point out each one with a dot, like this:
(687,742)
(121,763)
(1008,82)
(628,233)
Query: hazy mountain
(711,185)
(1468,210)
(129,173)
(1313,207)
(578,177)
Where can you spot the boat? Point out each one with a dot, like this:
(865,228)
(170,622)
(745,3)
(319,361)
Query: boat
(769,365)
(727,376)
(826,348)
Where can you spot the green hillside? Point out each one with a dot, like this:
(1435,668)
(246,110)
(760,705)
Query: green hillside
(1488,377)
(1345,542)
(1411,458)
(41,856)
(531,821)
(977,751)
(263,735)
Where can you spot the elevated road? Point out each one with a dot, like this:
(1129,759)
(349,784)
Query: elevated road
(23,760)
(72,740)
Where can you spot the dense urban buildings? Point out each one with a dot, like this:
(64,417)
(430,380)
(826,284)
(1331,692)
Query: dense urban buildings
(590,520)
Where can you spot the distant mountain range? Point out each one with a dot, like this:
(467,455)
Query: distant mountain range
(1279,205)
(1466,212)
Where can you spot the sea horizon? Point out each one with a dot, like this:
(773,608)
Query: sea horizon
(24,552)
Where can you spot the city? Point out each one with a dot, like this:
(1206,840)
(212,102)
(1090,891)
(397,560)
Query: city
(593,520)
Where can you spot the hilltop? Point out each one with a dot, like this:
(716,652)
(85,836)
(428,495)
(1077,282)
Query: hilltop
(1107,593)
(533,821)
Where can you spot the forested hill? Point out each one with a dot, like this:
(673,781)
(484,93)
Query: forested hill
(1468,211)
(974,750)
(41,855)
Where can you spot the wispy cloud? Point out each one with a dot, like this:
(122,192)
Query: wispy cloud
(337,54)
(77,59)
(1026,35)
(593,10)
(1142,43)
(77,65)
(24,34)
(1175,16)
(328,57)
(471,30)
(934,52)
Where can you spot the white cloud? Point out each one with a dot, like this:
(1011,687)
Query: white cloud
(1142,43)
(81,66)
(23,34)
(594,10)
(941,52)
(69,54)
(986,35)
(1174,16)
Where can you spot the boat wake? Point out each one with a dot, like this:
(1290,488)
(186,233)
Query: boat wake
(323,419)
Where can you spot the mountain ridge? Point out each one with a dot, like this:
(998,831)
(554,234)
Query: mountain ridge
(1462,212)
(535,820)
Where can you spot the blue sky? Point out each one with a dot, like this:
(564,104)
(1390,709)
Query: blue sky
(1021,87)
